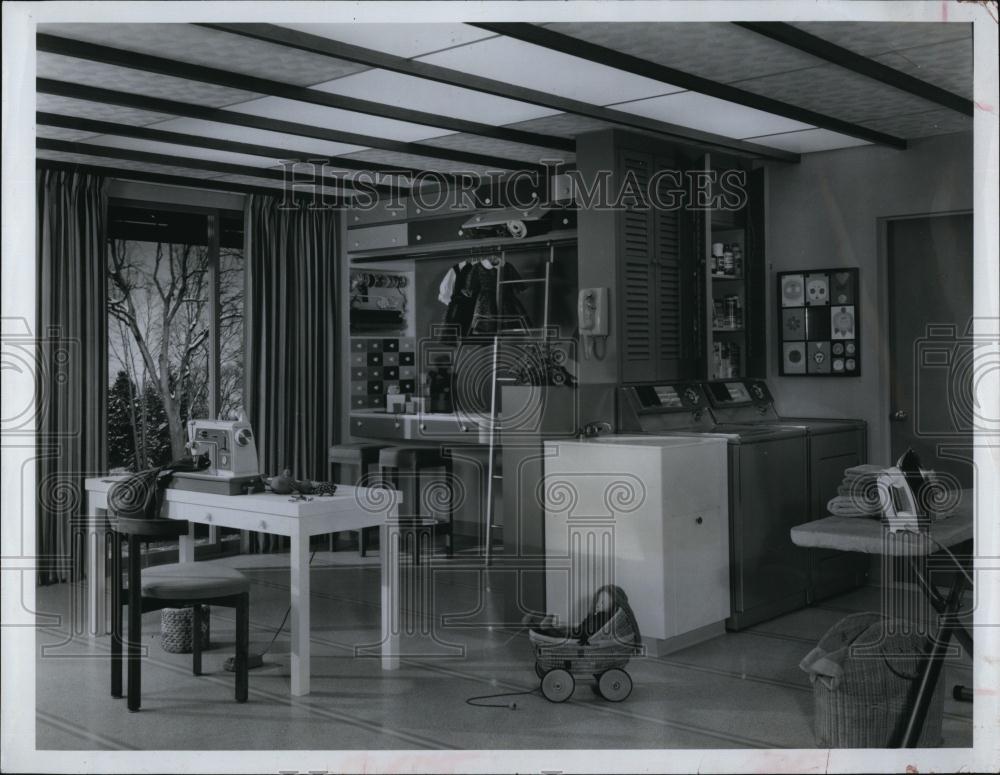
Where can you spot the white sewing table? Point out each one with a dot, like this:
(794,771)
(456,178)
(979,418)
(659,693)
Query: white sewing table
(352,508)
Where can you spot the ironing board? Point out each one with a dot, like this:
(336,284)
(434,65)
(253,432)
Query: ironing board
(871,536)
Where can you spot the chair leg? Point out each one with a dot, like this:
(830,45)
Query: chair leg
(242,647)
(116,615)
(134,625)
(196,617)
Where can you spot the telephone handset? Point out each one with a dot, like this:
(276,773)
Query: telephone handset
(592,311)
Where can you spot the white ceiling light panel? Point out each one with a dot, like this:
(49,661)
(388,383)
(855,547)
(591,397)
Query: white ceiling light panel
(535,67)
(334,118)
(710,114)
(404,40)
(407,91)
(808,141)
(240,134)
(170,149)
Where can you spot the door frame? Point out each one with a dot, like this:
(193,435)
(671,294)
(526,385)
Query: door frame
(880,439)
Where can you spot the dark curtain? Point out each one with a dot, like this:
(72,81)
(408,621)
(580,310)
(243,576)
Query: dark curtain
(291,337)
(71,379)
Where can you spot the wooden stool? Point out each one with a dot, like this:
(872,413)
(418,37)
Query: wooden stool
(400,468)
(360,458)
(179,585)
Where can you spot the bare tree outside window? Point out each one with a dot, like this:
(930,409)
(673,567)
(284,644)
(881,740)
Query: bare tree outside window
(159,308)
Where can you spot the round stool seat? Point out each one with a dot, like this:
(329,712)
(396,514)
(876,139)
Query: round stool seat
(192,581)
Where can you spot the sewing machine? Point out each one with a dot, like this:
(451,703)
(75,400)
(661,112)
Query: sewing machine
(230,446)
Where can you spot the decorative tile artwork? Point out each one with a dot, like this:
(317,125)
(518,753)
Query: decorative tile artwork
(818,325)
(380,366)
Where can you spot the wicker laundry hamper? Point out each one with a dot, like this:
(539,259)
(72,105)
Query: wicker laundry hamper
(175,629)
(861,698)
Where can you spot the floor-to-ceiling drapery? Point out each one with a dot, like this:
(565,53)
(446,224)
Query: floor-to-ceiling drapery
(71,361)
(291,346)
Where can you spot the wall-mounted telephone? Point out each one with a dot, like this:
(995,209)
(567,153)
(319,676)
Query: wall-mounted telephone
(592,311)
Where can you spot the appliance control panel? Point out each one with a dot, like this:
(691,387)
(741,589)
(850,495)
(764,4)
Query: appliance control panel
(666,406)
(728,393)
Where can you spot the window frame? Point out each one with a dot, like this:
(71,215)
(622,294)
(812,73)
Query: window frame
(214,216)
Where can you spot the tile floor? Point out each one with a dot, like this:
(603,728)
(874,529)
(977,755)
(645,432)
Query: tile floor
(739,690)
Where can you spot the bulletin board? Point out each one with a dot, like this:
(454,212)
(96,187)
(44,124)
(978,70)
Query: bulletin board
(819,323)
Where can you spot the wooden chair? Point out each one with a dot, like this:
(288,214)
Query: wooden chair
(178,585)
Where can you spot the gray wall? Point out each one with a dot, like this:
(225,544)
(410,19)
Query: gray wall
(825,212)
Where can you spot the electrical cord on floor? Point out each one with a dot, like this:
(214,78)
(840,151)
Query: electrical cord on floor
(509,706)
(284,618)
(256,660)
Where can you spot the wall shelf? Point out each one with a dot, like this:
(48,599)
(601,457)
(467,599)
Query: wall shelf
(439,249)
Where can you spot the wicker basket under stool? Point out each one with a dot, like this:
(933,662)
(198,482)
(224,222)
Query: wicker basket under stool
(861,699)
(175,629)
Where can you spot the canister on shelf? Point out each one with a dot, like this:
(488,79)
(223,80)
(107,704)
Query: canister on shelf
(732,311)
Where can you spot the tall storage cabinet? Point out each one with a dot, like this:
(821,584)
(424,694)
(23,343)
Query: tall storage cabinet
(657,283)
(658,262)
(726,245)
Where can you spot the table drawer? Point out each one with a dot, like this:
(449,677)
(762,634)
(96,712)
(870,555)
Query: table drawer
(232,518)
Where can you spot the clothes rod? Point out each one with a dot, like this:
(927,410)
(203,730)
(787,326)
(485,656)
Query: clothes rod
(459,250)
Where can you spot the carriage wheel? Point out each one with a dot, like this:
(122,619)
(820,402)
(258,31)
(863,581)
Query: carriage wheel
(614,685)
(539,670)
(557,685)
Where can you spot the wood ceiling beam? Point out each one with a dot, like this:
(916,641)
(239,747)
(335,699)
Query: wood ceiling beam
(200,141)
(159,177)
(206,165)
(849,60)
(108,55)
(222,116)
(316,44)
(592,52)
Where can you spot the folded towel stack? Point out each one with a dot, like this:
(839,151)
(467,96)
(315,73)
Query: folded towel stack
(857,495)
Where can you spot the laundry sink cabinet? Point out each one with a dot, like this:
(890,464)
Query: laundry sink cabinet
(649,514)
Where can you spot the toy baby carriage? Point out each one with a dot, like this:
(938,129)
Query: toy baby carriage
(600,647)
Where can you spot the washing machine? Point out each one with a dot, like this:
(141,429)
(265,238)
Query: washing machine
(767,489)
(833,445)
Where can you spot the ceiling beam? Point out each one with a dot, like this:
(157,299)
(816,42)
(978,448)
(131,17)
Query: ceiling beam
(222,116)
(159,177)
(206,165)
(200,141)
(862,65)
(93,52)
(316,44)
(592,52)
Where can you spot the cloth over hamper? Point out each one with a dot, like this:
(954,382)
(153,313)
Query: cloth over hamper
(863,671)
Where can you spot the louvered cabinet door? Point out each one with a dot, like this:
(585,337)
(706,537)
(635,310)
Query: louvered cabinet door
(674,289)
(639,345)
